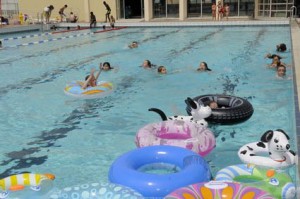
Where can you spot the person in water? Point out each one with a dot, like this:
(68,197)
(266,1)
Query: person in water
(203,67)
(213,104)
(133,44)
(281,71)
(106,66)
(271,56)
(147,64)
(281,47)
(91,79)
(162,70)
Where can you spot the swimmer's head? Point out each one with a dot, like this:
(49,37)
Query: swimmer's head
(203,67)
(281,47)
(162,70)
(281,71)
(147,64)
(133,44)
(106,66)
(213,104)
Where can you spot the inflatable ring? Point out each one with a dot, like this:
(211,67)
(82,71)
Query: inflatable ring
(102,89)
(15,185)
(231,109)
(278,184)
(184,134)
(272,151)
(96,191)
(129,170)
(214,189)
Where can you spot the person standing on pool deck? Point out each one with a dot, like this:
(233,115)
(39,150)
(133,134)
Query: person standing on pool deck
(61,12)
(93,21)
(47,12)
(108,10)
(213,10)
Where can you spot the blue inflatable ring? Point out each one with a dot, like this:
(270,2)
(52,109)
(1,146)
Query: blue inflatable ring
(126,170)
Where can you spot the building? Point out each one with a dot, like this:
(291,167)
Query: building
(9,8)
(148,10)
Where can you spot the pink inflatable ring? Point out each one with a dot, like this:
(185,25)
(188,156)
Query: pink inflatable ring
(183,134)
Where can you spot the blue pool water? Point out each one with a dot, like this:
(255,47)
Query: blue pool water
(45,131)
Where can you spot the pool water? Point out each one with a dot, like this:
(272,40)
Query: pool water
(45,131)
(159,168)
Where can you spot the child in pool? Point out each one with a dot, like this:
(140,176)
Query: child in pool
(203,67)
(162,70)
(213,104)
(134,44)
(91,79)
(106,66)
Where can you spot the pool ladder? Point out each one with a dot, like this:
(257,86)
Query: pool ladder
(292,13)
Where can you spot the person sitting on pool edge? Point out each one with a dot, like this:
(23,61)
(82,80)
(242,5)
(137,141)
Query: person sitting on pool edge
(134,44)
(91,79)
(203,67)
(281,47)
(162,70)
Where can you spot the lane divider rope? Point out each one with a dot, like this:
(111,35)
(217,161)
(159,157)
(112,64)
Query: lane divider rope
(56,39)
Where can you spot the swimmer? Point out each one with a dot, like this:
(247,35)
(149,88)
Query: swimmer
(281,71)
(106,66)
(134,44)
(91,79)
(276,62)
(213,104)
(271,56)
(146,64)
(203,67)
(162,70)
(1,44)
(281,47)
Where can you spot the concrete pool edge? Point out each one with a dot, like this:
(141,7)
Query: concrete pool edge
(196,23)
(295,37)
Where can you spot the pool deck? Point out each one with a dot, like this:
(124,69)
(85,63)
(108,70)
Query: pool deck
(295,35)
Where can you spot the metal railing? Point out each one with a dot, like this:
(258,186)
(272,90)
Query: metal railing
(292,13)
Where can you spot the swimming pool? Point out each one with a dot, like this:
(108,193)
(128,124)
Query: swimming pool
(77,140)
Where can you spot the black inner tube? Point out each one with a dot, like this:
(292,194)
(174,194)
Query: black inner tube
(231,109)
